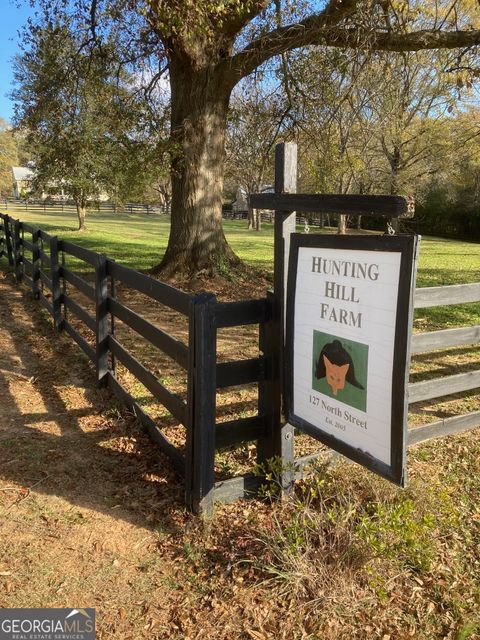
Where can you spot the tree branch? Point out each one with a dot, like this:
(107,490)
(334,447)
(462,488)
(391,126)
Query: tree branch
(235,23)
(257,52)
(314,31)
(93,19)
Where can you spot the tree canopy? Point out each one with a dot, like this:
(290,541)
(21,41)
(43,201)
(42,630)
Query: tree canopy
(206,47)
(83,125)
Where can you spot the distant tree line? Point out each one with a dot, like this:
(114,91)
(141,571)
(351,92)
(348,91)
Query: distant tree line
(406,124)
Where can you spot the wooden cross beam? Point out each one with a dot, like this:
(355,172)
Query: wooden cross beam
(350,204)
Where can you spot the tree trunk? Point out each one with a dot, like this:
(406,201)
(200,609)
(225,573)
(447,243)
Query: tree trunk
(258,220)
(250,216)
(342,224)
(166,201)
(394,183)
(254,219)
(198,123)
(81,213)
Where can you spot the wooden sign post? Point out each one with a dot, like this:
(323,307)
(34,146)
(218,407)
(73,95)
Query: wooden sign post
(279,442)
(340,345)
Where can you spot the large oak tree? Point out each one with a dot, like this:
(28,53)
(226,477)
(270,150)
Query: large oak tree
(208,46)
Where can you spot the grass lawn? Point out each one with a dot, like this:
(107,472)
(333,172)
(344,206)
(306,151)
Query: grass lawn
(139,241)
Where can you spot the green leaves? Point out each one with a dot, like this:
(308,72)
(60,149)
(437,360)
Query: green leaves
(82,117)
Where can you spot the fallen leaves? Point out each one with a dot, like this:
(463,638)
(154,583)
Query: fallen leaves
(128,557)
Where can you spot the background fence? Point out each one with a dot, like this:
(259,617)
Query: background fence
(40,261)
(47,204)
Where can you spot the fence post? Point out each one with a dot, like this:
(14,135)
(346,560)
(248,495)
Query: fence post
(190,405)
(35,265)
(200,450)
(113,294)
(101,295)
(8,239)
(268,400)
(17,258)
(3,246)
(56,288)
(279,442)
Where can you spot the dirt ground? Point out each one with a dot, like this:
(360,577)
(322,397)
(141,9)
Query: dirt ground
(91,515)
(85,500)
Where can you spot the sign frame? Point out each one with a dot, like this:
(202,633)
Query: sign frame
(407,246)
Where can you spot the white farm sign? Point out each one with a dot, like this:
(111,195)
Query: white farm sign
(348,329)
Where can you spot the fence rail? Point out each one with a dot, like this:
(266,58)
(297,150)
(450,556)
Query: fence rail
(445,338)
(435,340)
(45,272)
(450,294)
(48,276)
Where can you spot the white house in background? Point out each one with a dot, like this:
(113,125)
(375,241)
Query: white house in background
(22,186)
(22,181)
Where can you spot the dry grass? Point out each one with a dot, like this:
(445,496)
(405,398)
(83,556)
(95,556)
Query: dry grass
(356,558)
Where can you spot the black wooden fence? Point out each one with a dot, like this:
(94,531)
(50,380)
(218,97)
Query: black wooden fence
(44,271)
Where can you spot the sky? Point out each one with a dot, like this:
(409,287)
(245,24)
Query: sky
(12,19)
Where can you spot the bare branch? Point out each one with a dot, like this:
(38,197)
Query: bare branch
(93,19)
